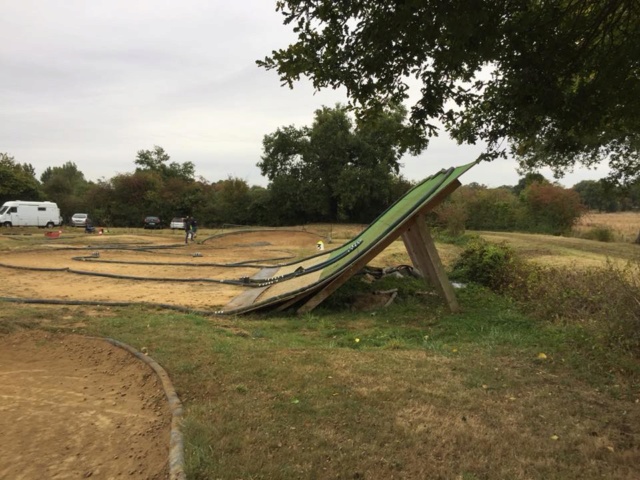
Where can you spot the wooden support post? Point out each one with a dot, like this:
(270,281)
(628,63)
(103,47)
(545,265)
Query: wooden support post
(332,286)
(424,256)
(356,266)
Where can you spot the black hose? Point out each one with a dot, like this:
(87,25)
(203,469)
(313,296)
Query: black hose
(236,282)
(95,303)
(246,263)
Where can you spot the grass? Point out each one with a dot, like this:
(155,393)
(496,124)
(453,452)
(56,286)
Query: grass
(565,251)
(405,392)
(408,391)
(624,225)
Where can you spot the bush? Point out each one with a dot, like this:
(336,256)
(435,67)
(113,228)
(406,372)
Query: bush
(477,207)
(601,234)
(485,263)
(452,216)
(604,300)
(550,209)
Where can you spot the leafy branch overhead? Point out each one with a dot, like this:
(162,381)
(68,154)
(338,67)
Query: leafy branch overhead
(559,81)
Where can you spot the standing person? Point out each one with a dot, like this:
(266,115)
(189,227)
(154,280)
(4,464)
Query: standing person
(187,228)
(194,228)
(88,226)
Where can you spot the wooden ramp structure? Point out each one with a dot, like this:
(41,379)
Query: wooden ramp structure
(304,284)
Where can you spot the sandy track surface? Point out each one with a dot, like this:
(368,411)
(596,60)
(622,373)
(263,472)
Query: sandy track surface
(73,407)
(144,257)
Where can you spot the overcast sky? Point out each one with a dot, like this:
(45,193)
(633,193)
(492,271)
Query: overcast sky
(93,82)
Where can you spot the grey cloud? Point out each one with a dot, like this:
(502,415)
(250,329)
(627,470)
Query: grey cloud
(94,82)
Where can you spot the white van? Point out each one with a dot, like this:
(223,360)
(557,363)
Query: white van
(19,213)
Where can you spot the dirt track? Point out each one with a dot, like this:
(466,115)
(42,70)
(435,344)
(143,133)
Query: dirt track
(141,258)
(72,407)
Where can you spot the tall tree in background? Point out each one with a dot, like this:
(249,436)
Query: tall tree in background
(550,208)
(157,160)
(599,195)
(100,202)
(232,202)
(284,165)
(135,196)
(180,197)
(559,80)
(337,169)
(17,181)
(66,186)
(173,188)
(528,179)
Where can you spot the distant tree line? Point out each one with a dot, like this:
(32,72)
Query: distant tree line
(336,170)
(156,187)
(534,205)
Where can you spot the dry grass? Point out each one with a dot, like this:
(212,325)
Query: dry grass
(625,225)
(462,397)
(421,395)
(566,251)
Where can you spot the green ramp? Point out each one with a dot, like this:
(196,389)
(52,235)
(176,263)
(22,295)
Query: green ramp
(294,283)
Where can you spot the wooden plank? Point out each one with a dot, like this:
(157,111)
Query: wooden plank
(361,262)
(248,297)
(266,272)
(287,304)
(424,255)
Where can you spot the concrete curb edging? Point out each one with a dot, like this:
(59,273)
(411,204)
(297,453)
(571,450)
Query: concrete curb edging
(176,444)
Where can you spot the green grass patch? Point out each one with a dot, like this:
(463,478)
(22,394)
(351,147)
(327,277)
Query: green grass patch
(540,385)
(407,391)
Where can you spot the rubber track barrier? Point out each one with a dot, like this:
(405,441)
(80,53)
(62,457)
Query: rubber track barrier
(176,444)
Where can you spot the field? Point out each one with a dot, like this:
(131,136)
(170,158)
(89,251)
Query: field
(625,225)
(352,390)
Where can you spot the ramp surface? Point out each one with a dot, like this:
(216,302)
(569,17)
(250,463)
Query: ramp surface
(293,282)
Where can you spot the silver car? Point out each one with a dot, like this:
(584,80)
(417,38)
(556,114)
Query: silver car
(79,220)
(177,223)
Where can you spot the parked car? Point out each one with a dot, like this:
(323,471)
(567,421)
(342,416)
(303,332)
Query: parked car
(79,220)
(152,222)
(177,223)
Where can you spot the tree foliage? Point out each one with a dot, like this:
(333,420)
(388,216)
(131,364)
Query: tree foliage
(540,207)
(559,80)
(528,179)
(66,186)
(232,202)
(338,168)
(157,160)
(551,208)
(599,195)
(17,181)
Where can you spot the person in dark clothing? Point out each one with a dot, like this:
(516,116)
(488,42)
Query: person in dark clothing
(88,226)
(194,228)
(187,228)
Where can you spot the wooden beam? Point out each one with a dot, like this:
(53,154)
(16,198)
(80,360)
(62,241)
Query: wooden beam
(424,256)
(383,243)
